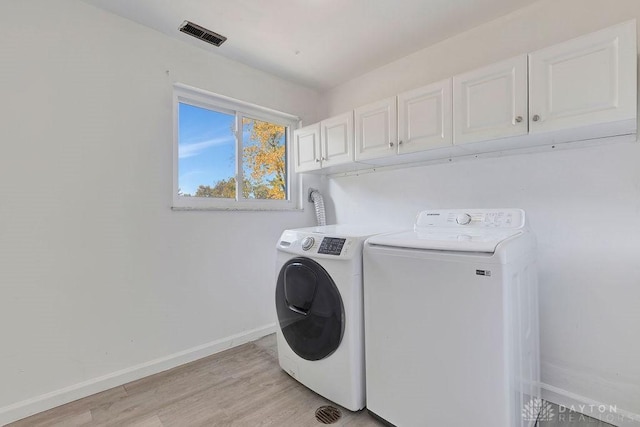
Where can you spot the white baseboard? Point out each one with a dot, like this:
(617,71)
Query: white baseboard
(600,411)
(55,398)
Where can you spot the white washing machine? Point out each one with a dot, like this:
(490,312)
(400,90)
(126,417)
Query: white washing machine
(451,321)
(320,310)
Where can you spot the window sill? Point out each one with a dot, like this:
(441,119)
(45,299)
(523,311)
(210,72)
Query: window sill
(238,208)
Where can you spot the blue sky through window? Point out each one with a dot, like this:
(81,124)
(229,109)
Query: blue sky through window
(206,147)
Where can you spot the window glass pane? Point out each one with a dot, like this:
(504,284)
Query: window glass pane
(206,153)
(264,160)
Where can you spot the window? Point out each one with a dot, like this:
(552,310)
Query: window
(229,154)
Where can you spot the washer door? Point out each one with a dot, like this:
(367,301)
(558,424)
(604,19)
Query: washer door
(310,309)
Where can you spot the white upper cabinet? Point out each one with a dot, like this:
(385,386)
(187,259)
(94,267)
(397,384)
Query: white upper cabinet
(306,148)
(323,145)
(337,140)
(376,130)
(424,118)
(491,102)
(583,89)
(587,80)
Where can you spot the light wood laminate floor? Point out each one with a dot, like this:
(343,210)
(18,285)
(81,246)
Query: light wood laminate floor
(243,386)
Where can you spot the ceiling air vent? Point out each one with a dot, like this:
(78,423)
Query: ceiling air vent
(202,33)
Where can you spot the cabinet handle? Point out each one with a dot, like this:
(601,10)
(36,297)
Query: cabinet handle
(518,119)
(323,158)
(317,160)
(399,142)
(536,118)
(391,144)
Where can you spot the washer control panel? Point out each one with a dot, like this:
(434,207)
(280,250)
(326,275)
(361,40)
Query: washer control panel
(310,243)
(471,218)
(331,246)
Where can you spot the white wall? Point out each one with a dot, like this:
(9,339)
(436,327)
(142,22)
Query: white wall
(97,274)
(584,204)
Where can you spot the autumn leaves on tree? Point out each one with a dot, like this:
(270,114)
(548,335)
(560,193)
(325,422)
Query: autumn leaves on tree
(265,156)
(264,160)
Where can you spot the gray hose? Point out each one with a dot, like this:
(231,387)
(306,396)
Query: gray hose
(316,198)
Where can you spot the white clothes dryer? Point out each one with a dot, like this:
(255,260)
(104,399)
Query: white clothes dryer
(451,321)
(319,305)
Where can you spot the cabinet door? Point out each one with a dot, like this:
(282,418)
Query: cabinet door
(337,140)
(424,118)
(306,148)
(491,102)
(376,130)
(587,80)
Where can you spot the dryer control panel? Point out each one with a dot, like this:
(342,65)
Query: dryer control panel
(471,218)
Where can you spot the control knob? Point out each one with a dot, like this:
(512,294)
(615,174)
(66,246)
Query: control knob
(463,219)
(307,243)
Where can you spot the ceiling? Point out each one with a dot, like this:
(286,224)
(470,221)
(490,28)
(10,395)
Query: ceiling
(317,43)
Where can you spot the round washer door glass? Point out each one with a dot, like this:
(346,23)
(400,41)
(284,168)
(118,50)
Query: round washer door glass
(310,309)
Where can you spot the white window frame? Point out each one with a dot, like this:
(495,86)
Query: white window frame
(204,99)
